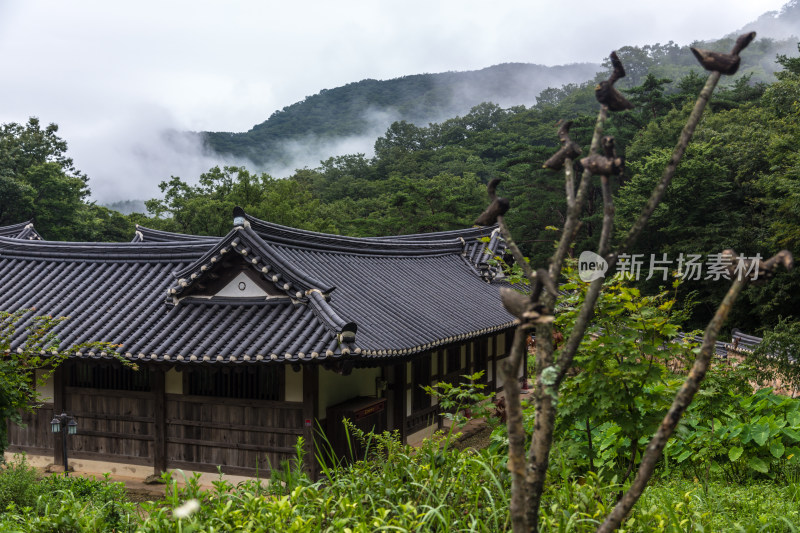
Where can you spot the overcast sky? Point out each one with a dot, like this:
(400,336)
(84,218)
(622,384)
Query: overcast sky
(113,75)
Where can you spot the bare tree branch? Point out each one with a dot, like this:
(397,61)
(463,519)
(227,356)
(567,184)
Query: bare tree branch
(539,308)
(544,423)
(608,216)
(574,211)
(516,430)
(587,309)
(669,171)
(682,400)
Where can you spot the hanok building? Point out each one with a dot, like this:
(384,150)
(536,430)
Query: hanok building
(246,342)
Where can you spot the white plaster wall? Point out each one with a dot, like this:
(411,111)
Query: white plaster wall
(335,388)
(173,382)
(294,385)
(45,390)
(501,348)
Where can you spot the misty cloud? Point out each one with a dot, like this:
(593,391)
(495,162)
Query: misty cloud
(308,151)
(117,76)
(126,157)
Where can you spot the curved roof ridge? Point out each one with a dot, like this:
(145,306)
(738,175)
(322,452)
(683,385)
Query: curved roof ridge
(463,233)
(21,230)
(288,236)
(145,234)
(263,258)
(441,242)
(13,229)
(101,251)
(345,331)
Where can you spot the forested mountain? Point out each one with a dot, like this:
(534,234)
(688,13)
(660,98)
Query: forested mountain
(783,24)
(370,106)
(738,186)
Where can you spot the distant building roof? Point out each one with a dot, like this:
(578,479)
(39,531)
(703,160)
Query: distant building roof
(264,292)
(23,230)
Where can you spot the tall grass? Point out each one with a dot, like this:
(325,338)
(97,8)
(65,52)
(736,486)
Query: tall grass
(395,488)
(61,503)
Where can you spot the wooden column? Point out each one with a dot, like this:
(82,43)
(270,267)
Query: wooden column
(400,397)
(158,388)
(494,363)
(59,406)
(310,415)
(440,377)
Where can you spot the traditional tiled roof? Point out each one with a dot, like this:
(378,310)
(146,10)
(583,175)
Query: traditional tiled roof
(23,230)
(742,342)
(321,296)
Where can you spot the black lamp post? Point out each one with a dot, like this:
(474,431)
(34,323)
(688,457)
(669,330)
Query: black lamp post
(65,425)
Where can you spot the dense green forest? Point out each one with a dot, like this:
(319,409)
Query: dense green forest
(738,187)
(369,106)
(360,107)
(39,182)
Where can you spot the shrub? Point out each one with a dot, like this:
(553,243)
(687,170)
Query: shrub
(756,435)
(18,483)
(61,503)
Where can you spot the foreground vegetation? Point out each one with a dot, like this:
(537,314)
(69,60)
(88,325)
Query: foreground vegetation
(435,488)
(733,465)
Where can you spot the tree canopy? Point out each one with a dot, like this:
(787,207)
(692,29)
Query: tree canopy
(738,186)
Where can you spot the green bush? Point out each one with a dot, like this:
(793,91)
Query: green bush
(61,503)
(18,484)
(755,435)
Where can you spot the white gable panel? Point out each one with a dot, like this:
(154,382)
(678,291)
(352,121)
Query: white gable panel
(242,286)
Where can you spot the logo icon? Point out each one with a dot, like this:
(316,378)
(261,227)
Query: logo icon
(591,266)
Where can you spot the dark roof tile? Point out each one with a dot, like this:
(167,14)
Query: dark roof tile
(367,298)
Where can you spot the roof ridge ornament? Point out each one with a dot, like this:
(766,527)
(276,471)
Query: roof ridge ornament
(240,218)
(345,331)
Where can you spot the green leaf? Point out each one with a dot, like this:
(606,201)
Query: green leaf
(793,417)
(776,449)
(734,452)
(760,433)
(758,464)
(792,434)
(685,455)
